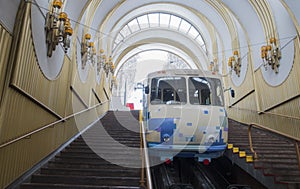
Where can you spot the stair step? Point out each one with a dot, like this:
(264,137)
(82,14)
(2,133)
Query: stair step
(79,166)
(245,137)
(274,165)
(277,171)
(92,172)
(69,186)
(261,145)
(111,156)
(94,155)
(127,143)
(95,164)
(86,180)
(120,136)
(288,179)
(277,160)
(266,151)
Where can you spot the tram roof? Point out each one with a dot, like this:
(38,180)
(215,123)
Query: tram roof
(184,72)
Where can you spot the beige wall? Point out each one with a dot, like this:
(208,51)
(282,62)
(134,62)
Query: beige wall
(30,101)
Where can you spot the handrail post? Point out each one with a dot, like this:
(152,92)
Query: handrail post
(250,141)
(298,153)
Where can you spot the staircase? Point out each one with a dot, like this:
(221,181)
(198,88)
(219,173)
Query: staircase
(276,155)
(105,156)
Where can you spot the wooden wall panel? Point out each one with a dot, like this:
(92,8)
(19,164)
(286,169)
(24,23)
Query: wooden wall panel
(27,102)
(273,96)
(274,107)
(284,118)
(244,89)
(28,77)
(5,46)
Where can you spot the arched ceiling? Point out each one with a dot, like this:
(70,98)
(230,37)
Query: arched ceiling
(224,25)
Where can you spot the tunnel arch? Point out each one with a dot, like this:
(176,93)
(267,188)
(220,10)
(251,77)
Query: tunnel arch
(149,47)
(188,46)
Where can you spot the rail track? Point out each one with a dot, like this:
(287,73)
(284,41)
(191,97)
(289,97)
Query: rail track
(190,174)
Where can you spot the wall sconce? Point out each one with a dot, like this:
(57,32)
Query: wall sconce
(214,66)
(234,62)
(271,54)
(88,50)
(101,60)
(109,66)
(58,28)
(114,82)
(106,66)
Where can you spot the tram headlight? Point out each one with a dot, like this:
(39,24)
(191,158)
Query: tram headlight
(166,137)
(211,139)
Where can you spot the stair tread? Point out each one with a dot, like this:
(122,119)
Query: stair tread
(70,186)
(79,166)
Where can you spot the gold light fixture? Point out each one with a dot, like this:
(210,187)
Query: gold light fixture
(113,82)
(101,60)
(109,66)
(88,50)
(271,54)
(234,62)
(58,28)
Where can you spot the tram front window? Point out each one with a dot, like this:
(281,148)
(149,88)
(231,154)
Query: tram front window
(168,90)
(205,91)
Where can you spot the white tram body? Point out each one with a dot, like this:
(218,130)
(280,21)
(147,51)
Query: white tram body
(185,115)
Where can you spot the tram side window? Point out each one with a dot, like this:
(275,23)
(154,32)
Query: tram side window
(199,91)
(156,95)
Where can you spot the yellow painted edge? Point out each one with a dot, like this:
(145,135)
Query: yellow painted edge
(141,116)
(249,159)
(242,154)
(229,146)
(235,150)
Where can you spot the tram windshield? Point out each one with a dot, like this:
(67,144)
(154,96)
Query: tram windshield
(168,90)
(205,91)
(173,90)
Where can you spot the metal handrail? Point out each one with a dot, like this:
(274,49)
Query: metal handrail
(50,125)
(296,140)
(145,157)
(34,100)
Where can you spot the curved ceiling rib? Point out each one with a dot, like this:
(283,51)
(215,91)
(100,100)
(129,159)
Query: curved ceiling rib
(197,55)
(159,20)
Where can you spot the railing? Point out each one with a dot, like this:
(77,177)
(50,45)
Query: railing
(144,156)
(50,125)
(294,139)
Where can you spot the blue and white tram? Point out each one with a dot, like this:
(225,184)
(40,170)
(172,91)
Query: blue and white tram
(185,115)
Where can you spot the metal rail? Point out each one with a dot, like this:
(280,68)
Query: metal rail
(34,100)
(294,139)
(78,96)
(50,125)
(144,155)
